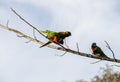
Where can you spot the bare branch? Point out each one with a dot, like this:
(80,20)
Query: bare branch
(27,22)
(108,46)
(55,47)
(35,28)
(20,34)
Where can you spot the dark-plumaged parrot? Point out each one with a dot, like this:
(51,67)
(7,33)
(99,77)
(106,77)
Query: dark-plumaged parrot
(98,51)
(56,37)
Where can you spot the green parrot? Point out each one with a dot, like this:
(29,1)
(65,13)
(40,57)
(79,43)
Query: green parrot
(98,51)
(56,37)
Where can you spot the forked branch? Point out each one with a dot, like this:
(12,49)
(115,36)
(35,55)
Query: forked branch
(35,28)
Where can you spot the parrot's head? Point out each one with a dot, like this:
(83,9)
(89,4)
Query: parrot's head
(93,45)
(68,33)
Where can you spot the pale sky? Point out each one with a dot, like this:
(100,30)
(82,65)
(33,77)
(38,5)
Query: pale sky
(88,20)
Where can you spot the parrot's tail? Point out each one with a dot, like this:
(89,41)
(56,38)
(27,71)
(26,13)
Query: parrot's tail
(45,44)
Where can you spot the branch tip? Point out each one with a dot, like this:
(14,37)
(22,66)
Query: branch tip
(108,46)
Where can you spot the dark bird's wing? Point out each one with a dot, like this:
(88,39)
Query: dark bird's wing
(102,54)
(45,44)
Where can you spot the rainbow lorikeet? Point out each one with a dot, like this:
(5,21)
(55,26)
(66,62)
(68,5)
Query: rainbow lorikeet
(56,37)
(98,51)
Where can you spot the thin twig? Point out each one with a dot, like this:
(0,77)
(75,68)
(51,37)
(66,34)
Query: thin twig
(23,36)
(62,54)
(108,46)
(34,33)
(7,23)
(77,47)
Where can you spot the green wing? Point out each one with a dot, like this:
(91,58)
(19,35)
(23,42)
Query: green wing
(49,33)
(101,52)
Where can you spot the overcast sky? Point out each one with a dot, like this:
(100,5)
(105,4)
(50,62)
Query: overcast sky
(88,20)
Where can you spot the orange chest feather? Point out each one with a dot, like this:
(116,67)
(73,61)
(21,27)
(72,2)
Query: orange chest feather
(93,49)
